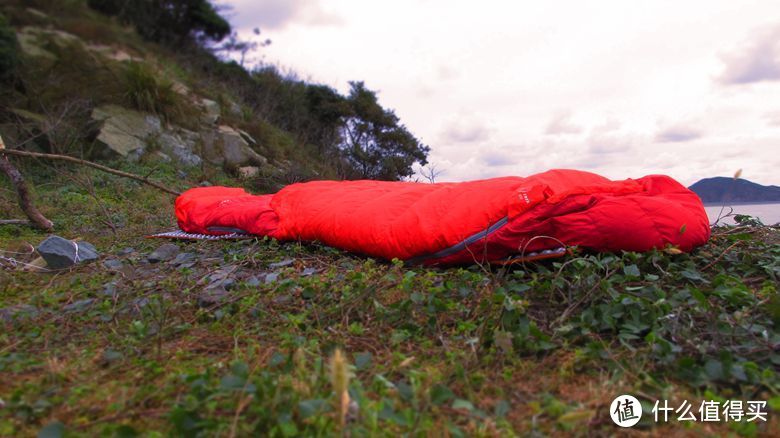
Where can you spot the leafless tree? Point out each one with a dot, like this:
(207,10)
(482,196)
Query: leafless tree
(430,172)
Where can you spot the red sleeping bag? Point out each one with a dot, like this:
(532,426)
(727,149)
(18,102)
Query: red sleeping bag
(455,223)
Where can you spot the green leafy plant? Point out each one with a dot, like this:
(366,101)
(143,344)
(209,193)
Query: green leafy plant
(147,91)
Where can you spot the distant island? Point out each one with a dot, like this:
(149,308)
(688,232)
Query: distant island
(724,189)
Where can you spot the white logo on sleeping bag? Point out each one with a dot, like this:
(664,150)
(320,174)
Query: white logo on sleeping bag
(524,196)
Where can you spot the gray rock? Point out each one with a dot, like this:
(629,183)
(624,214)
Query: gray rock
(124,131)
(164,252)
(61,253)
(227,147)
(236,150)
(162,156)
(271,278)
(174,146)
(113,264)
(212,298)
(248,138)
(181,88)
(19,311)
(112,53)
(126,251)
(35,42)
(283,263)
(78,306)
(211,110)
(248,172)
(253,281)
(222,278)
(234,109)
(184,260)
(282,299)
(110,289)
(228,283)
(136,305)
(36,13)
(308,271)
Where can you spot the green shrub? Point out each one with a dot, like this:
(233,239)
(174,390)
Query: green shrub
(9,50)
(146,91)
(167,21)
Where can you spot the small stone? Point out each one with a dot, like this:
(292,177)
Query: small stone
(139,303)
(248,138)
(211,298)
(282,299)
(234,109)
(109,289)
(61,253)
(228,283)
(205,184)
(135,305)
(308,271)
(283,263)
(111,356)
(18,311)
(126,251)
(164,252)
(256,312)
(113,264)
(184,260)
(253,281)
(272,277)
(78,306)
(248,172)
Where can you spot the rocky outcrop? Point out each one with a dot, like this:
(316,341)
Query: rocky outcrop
(36,42)
(128,133)
(124,132)
(179,146)
(227,147)
(211,111)
(112,53)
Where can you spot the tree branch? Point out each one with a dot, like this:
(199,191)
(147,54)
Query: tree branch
(86,163)
(25,202)
(14,222)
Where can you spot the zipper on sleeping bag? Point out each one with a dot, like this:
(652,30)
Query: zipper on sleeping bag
(462,245)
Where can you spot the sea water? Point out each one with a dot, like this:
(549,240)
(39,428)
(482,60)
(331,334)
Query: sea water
(769,214)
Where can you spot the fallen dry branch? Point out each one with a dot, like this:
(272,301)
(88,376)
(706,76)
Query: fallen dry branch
(25,201)
(89,164)
(14,222)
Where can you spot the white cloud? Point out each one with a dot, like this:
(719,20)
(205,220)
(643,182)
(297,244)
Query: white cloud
(464,129)
(678,133)
(485,85)
(277,14)
(562,123)
(756,60)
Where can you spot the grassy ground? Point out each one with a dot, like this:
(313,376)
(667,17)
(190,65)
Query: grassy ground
(236,341)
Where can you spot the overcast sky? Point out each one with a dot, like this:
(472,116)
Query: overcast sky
(622,88)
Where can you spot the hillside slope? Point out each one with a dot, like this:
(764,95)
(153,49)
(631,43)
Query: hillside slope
(723,189)
(85,84)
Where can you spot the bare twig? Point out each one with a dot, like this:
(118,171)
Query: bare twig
(14,222)
(717,259)
(90,164)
